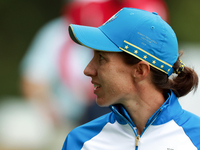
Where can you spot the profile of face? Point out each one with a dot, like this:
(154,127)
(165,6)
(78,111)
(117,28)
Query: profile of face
(112,78)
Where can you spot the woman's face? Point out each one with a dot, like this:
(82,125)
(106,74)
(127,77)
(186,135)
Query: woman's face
(112,78)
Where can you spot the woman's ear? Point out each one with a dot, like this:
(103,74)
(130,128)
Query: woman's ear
(141,71)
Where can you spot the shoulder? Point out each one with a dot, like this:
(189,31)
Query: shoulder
(188,120)
(53,24)
(96,124)
(52,29)
(78,136)
(191,126)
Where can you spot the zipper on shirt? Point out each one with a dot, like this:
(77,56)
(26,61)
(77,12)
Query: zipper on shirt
(135,131)
(137,140)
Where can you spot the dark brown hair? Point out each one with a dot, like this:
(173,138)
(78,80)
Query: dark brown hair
(181,84)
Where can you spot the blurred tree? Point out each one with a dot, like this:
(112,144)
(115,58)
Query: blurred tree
(20,20)
(184,19)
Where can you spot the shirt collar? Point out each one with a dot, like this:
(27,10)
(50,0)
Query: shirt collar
(169,108)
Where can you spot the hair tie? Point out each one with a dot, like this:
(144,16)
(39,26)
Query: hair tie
(180,69)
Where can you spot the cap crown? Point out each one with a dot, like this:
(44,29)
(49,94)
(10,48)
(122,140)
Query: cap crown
(144,35)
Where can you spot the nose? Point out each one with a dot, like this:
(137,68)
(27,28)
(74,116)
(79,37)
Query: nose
(90,69)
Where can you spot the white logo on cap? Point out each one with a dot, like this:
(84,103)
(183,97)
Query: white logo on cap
(112,18)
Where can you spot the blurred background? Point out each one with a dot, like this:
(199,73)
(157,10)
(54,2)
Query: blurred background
(41,88)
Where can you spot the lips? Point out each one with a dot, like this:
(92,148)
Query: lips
(96,86)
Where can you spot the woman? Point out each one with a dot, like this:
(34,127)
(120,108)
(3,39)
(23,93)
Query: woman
(135,54)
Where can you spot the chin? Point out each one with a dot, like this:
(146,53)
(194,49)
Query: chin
(102,102)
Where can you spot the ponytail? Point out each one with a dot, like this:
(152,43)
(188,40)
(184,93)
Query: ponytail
(185,80)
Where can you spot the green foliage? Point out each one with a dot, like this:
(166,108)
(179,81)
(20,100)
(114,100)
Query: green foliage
(20,20)
(185,19)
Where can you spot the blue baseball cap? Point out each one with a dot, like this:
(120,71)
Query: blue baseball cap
(139,33)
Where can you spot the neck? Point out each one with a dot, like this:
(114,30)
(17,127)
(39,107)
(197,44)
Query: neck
(142,107)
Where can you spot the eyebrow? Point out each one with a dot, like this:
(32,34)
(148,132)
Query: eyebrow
(98,52)
(103,53)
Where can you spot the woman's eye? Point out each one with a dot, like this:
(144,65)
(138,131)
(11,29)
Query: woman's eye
(101,57)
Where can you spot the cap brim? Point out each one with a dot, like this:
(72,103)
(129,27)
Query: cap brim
(92,37)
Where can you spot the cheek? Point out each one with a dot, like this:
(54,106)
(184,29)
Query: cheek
(117,80)
(123,86)
(118,88)
(116,85)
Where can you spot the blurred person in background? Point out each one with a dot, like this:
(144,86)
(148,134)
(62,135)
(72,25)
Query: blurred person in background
(52,69)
